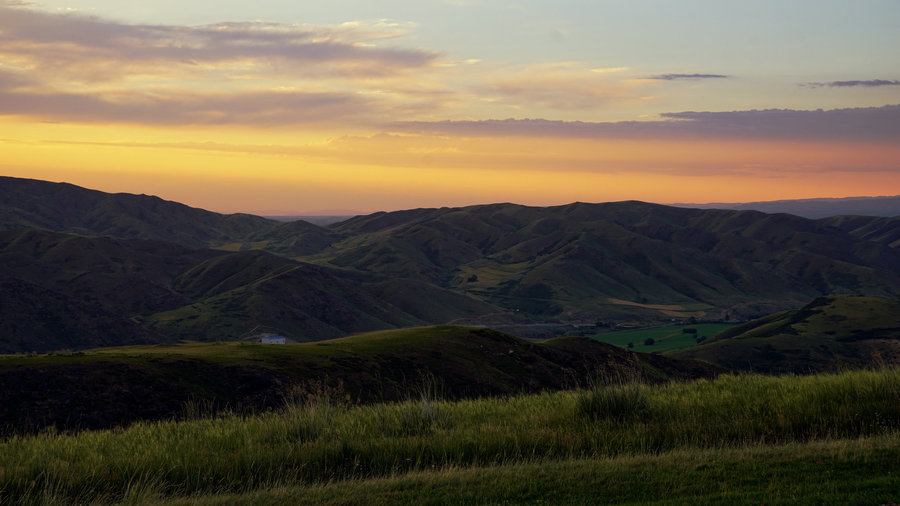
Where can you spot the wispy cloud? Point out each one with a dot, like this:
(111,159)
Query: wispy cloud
(872,83)
(187,108)
(873,123)
(64,66)
(12,80)
(85,46)
(565,86)
(686,77)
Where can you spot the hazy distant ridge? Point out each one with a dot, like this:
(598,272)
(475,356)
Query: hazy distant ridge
(817,208)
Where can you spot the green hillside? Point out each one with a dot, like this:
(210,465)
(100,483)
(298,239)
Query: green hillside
(619,259)
(116,385)
(882,230)
(831,333)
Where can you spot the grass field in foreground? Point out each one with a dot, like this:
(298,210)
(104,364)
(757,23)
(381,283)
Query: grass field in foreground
(794,439)
(668,338)
(857,471)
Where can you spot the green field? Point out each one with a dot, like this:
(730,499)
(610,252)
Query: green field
(832,439)
(666,338)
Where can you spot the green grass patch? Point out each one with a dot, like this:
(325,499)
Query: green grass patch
(754,434)
(668,338)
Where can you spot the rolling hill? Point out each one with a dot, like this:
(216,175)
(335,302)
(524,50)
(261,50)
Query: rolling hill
(831,333)
(69,292)
(881,230)
(623,259)
(115,386)
(62,207)
(185,273)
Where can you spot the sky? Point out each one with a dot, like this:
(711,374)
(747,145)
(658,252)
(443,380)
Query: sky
(279,107)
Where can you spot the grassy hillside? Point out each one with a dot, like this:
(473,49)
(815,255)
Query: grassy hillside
(881,230)
(831,333)
(113,386)
(736,439)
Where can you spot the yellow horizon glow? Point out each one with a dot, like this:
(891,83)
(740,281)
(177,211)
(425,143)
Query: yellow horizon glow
(273,172)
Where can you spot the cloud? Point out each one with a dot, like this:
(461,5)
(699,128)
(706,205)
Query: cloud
(184,108)
(860,124)
(12,80)
(566,86)
(851,84)
(869,123)
(689,77)
(78,68)
(92,48)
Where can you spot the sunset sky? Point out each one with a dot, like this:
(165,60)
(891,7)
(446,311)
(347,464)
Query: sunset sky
(346,106)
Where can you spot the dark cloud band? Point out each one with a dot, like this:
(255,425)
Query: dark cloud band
(872,83)
(687,77)
(860,124)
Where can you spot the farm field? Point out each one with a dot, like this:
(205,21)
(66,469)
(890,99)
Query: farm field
(828,438)
(668,338)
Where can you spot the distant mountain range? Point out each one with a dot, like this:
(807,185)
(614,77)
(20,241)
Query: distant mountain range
(817,208)
(82,268)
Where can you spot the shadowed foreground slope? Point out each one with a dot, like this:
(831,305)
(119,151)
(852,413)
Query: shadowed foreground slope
(113,386)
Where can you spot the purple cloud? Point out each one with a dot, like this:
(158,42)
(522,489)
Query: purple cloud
(69,67)
(256,108)
(12,80)
(872,123)
(872,83)
(71,42)
(677,77)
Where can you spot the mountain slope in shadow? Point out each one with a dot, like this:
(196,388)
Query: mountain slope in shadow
(112,291)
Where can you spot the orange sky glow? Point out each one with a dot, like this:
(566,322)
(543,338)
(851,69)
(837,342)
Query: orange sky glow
(270,117)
